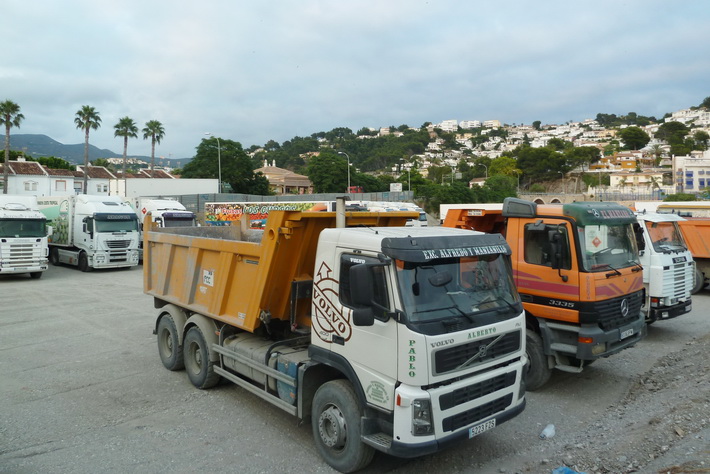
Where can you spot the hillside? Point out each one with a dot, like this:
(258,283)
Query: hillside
(36,146)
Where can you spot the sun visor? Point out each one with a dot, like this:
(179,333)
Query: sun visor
(424,249)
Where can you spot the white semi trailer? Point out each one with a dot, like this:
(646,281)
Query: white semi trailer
(91,231)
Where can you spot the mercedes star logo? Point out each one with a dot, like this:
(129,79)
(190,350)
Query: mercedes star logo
(624,307)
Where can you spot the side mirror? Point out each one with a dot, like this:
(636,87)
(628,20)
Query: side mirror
(50,230)
(362,295)
(363,316)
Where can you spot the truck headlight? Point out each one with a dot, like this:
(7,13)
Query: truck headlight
(99,258)
(421,417)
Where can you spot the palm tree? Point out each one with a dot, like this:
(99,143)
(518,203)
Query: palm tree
(156,132)
(87,118)
(10,116)
(125,128)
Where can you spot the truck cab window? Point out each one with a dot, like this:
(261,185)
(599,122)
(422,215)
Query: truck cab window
(538,249)
(379,281)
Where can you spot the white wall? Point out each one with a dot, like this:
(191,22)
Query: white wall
(137,187)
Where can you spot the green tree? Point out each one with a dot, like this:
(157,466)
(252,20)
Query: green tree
(125,128)
(10,116)
(103,162)
(154,130)
(237,168)
(706,103)
(536,125)
(499,187)
(634,138)
(701,139)
(328,172)
(87,118)
(55,163)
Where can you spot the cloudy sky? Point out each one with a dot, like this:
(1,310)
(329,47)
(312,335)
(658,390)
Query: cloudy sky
(252,71)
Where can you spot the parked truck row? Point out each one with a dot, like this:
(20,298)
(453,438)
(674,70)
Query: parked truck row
(387,338)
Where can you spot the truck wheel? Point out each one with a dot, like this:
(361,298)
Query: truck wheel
(169,346)
(537,372)
(336,427)
(196,354)
(84,263)
(54,256)
(36,275)
(699,281)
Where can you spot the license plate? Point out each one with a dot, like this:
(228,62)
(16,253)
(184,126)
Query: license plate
(478,429)
(627,333)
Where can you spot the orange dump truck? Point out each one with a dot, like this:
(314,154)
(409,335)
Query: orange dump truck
(577,269)
(372,330)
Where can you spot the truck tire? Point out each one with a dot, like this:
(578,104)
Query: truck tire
(537,372)
(169,347)
(54,256)
(84,263)
(196,353)
(335,420)
(699,281)
(36,275)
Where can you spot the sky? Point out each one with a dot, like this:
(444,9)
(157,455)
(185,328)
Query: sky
(253,71)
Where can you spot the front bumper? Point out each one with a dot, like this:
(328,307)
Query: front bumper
(669,312)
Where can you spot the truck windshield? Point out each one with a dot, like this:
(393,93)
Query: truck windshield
(23,228)
(122,225)
(186,221)
(477,289)
(666,237)
(607,247)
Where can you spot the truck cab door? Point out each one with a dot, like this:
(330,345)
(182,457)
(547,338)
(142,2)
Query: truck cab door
(370,350)
(546,275)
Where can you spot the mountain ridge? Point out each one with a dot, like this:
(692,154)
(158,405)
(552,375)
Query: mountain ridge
(38,145)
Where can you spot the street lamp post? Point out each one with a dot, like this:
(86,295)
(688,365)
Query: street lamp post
(219,161)
(348,157)
(486,167)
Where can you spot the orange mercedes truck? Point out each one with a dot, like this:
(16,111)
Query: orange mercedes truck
(576,267)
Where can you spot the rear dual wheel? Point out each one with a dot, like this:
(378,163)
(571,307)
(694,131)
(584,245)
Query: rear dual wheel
(196,352)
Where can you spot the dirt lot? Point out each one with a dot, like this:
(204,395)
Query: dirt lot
(82,390)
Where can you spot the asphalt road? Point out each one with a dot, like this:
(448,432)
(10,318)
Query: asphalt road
(82,390)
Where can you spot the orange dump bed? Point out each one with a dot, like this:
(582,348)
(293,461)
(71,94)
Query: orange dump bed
(236,275)
(696,233)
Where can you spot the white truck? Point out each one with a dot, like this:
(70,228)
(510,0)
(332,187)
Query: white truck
(23,236)
(668,267)
(387,338)
(164,212)
(91,231)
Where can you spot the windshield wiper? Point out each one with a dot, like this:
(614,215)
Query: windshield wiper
(613,272)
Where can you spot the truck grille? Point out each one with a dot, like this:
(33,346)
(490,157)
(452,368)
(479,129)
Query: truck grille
(481,412)
(118,244)
(609,312)
(473,392)
(21,254)
(674,280)
(450,359)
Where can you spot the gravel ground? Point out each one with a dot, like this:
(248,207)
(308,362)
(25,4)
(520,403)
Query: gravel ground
(82,390)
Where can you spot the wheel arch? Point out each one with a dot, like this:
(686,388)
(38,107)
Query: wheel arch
(179,318)
(326,366)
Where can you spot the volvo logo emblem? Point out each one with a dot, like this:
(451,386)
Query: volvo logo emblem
(624,307)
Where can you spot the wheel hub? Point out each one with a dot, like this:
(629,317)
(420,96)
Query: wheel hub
(332,428)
